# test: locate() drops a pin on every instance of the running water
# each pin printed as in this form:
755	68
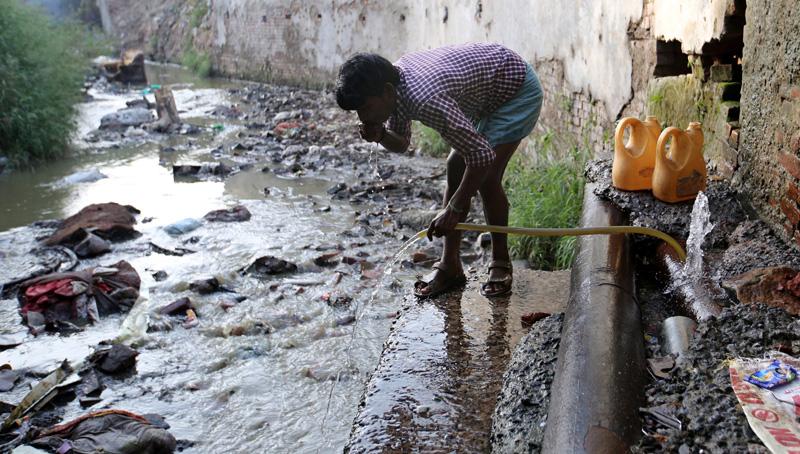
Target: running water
686	280
359	313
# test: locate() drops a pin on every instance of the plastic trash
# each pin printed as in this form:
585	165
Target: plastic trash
776	374
181	227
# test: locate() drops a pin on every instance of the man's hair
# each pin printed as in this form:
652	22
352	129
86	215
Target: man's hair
363	75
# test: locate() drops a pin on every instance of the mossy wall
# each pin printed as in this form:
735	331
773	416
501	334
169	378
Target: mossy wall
679	100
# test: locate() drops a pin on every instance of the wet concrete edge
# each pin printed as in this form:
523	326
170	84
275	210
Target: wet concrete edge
599	380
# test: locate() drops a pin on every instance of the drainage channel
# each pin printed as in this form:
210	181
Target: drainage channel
442	366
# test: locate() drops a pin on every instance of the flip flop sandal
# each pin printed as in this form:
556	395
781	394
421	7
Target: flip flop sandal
437	287
505	282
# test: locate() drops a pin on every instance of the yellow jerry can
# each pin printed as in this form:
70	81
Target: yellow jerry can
681	173
634	161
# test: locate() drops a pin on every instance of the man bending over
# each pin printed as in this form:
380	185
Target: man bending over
483	99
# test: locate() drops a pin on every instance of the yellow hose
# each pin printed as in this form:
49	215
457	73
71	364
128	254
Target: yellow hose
571	232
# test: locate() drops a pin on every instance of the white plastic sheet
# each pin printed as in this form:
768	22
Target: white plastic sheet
771	413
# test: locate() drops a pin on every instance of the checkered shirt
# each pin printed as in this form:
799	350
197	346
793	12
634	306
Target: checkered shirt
444	88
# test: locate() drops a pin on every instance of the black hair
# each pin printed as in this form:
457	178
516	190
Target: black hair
361	76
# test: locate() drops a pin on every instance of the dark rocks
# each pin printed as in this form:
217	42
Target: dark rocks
268	266
181	305
700	388
205	170
119	358
235	214
224	112
205	286
520	417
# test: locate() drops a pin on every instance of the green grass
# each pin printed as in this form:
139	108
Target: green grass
544	187
42	66
545	190
429	141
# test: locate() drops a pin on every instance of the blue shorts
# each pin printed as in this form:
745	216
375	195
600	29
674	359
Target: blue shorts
515	119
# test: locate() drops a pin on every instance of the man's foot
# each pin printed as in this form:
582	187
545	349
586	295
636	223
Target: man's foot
500	279
438	281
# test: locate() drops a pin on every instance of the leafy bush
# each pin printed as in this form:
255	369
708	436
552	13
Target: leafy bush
42	66
545	190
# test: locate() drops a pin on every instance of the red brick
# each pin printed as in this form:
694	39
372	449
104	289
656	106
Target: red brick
791	163
796	142
733	139
773	203
792	192
795	93
797	237
791	212
790	230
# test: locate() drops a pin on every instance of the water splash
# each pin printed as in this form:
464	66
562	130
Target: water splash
686	280
699	228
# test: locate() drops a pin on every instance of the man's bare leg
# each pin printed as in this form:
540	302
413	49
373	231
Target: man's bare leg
495	208
450	262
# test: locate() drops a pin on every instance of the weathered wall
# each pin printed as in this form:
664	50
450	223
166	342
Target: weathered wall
599	60
770	139
582	48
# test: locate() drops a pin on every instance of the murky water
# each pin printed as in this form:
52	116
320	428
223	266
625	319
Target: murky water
225	393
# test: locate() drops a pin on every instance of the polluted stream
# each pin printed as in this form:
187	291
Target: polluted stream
276	363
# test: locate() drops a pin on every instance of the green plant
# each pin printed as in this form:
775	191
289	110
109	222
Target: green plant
199	63
564	103
42	67
429	141
199	11
545	190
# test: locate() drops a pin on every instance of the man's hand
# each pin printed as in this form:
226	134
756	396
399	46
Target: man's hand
372	132
444	223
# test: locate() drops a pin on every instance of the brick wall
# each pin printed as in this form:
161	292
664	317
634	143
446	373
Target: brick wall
769	141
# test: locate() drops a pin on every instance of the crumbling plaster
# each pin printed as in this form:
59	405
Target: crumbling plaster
692	22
